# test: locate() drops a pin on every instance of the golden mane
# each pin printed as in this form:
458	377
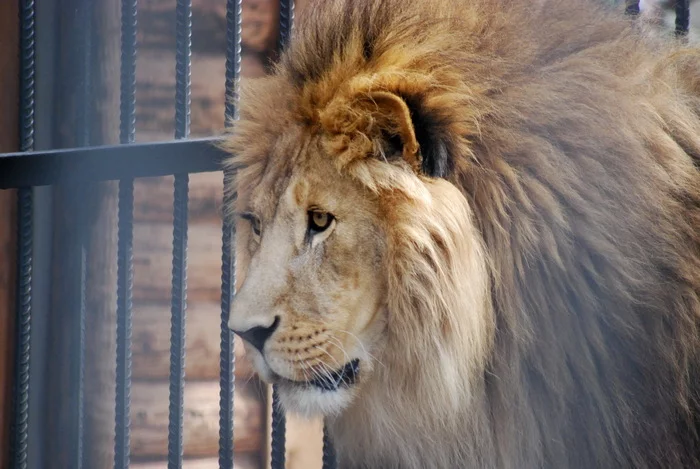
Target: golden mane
535	163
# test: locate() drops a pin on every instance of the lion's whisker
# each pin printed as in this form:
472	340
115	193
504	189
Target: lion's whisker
359	342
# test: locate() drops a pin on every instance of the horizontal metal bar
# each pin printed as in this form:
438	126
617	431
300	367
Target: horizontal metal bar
111	162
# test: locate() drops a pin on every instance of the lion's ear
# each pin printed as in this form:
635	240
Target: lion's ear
378	121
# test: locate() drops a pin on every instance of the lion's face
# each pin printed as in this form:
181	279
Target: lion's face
312	250
359	266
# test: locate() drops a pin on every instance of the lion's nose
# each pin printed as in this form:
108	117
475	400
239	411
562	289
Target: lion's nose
258	335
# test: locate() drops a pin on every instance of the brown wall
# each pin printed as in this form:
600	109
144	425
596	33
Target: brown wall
9	84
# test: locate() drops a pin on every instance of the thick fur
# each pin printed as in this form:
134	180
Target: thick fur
524	179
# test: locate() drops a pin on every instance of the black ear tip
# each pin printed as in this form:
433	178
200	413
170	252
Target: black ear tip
436	159
430	133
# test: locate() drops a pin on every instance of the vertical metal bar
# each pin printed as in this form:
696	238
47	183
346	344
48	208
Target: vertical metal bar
278	419
177	325
183	42
329	458
286	23
279	428
127	128
27	50
81	347
20	421
127	125
233	58
227	361
682	17
632	7
183	46
124	284
83	138
25	238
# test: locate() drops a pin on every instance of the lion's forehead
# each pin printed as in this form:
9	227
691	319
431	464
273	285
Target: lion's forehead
299	179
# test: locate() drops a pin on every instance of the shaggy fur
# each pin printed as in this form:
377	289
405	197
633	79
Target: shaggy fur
516	258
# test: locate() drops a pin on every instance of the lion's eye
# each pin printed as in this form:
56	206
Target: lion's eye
254	223
256	227
319	221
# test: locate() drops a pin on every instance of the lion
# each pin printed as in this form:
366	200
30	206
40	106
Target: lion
468	234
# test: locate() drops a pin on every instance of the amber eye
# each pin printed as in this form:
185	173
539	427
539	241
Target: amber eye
319	221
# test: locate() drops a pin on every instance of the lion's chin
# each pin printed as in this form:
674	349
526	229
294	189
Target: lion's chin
311	401
306	399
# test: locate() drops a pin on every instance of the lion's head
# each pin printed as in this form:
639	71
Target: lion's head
350	257
468	234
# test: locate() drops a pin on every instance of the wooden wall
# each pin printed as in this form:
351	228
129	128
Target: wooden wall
9	131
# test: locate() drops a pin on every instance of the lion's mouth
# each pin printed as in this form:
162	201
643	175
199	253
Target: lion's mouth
332	381
328	381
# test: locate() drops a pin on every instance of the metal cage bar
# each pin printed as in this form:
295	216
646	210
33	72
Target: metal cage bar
82	262
20	421
286	23
83	137
279	429
124	283
632	7
177	324
329	457
682	18
227	361
125	233
25	237
277	456
183	44
109	162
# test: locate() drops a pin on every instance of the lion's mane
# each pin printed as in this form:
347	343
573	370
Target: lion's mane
572	135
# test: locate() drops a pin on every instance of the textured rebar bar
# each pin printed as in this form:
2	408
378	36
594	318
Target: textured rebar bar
183	45
233	58
25	238
279	428
277	456
27	49
20	422
177	325
329	457
227	361
286	23
227	358
127	128
124	285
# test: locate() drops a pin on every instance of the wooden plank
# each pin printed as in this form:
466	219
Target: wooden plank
153	265
149	420
151	343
